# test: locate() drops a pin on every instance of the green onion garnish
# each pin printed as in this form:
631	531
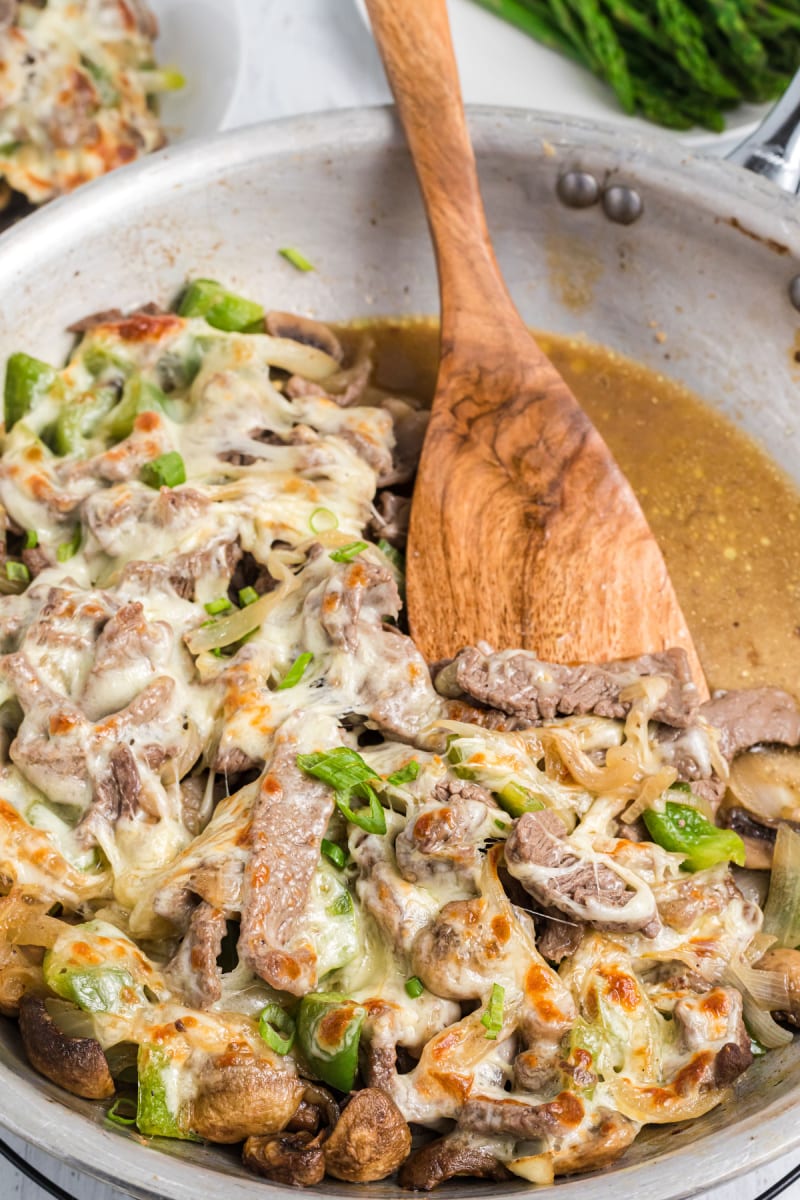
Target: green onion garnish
247	595
492	1019
31	539
322	520
69	549
295	258
116	1117
273	1022
220	605
296	671
168	470
346	772
405	774
414	987
348	553
342	906
335	853
17	572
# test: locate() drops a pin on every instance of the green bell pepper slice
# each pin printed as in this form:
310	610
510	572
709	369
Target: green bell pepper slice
27	379
517	800
139	396
683	830
156	1111
328	1032
78	419
94	989
223	309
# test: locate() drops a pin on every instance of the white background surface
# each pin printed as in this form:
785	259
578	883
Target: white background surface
296	56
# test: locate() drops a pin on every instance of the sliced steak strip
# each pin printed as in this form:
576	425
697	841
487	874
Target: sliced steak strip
194	967
289	820
446	839
517	683
748	718
592	890
459	1153
360	592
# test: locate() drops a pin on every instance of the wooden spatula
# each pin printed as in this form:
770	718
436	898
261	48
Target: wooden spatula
524	531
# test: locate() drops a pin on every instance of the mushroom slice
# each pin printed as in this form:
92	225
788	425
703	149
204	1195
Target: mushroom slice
293	1158
371	1139
243	1096
303	329
786	963
76	1064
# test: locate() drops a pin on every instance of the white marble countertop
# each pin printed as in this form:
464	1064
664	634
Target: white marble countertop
304	56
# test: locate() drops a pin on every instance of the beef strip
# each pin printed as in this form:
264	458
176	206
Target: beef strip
446	839
517	683
557	939
547	865
183	572
457	1154
360	591
743	719
36	560
289	820
748	718
391	518
194	967
128	651
522	1121
409	424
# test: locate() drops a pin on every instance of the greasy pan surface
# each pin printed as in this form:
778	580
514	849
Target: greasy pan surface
708	266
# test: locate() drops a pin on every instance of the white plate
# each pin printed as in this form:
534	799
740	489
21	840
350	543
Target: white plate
204	40
499	64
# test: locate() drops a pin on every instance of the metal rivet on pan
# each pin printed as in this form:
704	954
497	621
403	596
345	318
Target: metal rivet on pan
622	204
794	292
578	189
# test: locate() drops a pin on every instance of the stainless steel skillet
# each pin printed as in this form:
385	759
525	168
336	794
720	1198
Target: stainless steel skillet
711	260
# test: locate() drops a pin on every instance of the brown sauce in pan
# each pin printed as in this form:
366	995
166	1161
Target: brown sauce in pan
726	517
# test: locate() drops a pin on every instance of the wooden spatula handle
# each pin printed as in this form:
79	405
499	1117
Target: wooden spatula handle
414	40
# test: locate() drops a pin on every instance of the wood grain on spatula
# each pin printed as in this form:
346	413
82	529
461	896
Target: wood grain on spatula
524	531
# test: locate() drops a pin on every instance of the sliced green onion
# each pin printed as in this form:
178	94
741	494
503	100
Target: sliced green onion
220	605
346	772
342	906
161	79
335	853
296	671
223	309
17	572
247	595
31	539
295	258
348	553
115	1116
273	1023
414	987
69	549
492	1019
405	774
322	520
8	148
501	824
168	470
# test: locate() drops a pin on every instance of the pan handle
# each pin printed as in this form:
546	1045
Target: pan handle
773	150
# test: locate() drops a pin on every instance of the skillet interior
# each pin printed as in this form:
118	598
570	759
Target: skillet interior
708	265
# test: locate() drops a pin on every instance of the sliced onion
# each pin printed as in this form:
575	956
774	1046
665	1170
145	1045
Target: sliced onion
536	1168
768	989
782	910
71	1020
763	1028
656	1105
232	628
289	355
